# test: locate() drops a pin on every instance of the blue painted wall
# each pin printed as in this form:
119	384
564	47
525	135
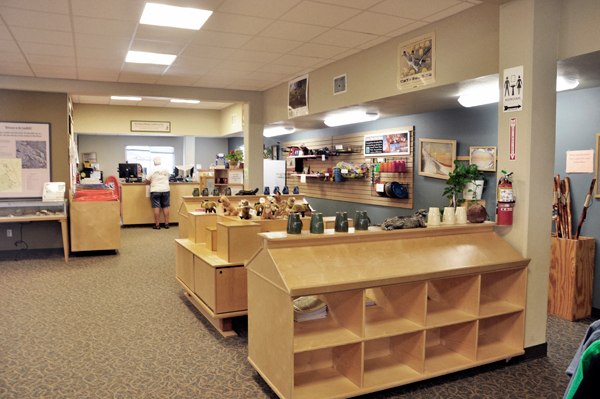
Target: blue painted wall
577	123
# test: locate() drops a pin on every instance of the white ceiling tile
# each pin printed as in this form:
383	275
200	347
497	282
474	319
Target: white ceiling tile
213	81
362	4
231	23
103	42
448	12
272	45
267	77
149	69
107	27
14	58
297	60
318	50
113	65
51	60
378	24
258	8
109	9
220	39
135	77
292	31
225	73
195	62
54	71
413	9
177	80
15	68
47	49
372	43
240	65
248	84
153	46
36	19
4	32
178	105
9	46
98	74
208	52
343	38
319	14
345	54
195	72
280	69
254	56
210	5
93	99
100	54
43	36
153	102
164	34
406	29
53	6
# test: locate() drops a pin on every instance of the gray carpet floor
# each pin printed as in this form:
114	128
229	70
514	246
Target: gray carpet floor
119	326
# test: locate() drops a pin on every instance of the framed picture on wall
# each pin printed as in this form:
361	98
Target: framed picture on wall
596	190
483	157
436	157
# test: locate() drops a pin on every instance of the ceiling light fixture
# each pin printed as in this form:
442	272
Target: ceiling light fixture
563	84
174	17
141	57
479	98
179	100
126	98
351	117
278	131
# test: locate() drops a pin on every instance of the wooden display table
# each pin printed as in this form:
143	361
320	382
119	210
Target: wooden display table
446	299
136	207
95	225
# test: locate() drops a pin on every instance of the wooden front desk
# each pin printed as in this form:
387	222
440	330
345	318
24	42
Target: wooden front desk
135	202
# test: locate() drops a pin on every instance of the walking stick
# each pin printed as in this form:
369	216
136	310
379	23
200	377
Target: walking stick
588	201
568	205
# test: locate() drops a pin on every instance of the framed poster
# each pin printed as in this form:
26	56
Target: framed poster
596	190
24	159
437	157
388	143
298	97
483	157
416	62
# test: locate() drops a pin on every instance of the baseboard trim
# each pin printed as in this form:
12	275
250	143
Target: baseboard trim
534	352
596	313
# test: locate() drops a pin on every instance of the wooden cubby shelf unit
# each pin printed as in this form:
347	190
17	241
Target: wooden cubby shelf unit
435	313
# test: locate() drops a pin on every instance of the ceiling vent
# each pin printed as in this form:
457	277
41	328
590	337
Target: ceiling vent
339	84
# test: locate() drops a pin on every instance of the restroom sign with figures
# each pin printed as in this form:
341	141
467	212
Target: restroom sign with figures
512	89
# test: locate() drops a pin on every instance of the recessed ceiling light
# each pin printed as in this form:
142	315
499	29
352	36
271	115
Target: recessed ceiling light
126	98
175	17
278	131
351	117
178	100
141	57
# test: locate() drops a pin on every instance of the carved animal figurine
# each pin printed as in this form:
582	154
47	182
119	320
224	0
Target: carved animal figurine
247	192
267	212
259	207
290	202
281	207
209	206
228	209
303	209
244	209
419	219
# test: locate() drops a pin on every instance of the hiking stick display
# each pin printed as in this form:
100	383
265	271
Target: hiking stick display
588	201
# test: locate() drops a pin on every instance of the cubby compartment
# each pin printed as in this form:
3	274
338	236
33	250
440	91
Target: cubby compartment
398	309
452	300
394	360
328	372
501	337
450	348
343	324
503	292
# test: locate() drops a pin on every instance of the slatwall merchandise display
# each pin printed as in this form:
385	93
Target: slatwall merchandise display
360	190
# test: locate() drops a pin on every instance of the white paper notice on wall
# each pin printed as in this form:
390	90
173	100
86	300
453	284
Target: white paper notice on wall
580	161
302	178
379	187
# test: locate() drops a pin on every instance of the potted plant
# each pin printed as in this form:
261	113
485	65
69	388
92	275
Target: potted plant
234	158
459	179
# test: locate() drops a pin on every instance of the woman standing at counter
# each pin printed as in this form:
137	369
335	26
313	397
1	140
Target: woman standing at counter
160	195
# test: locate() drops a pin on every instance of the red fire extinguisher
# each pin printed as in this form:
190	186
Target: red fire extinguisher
505	201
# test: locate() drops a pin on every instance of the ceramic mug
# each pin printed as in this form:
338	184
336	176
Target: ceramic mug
360	216
433	217
216	192
461	215
341	222
296	190
228	191
316	223
205	192
196	192
449	217
294	224
267	191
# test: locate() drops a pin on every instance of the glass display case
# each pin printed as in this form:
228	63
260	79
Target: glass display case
32	209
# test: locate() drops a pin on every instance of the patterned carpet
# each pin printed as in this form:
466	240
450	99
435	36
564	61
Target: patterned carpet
119	326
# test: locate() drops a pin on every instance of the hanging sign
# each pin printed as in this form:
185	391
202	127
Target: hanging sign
150	126
512	89
512	145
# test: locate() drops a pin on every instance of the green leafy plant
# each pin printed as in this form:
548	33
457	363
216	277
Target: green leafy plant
235	155
267	153
458	178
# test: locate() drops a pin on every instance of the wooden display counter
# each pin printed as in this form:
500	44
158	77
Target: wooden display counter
136	207
95	225
446	299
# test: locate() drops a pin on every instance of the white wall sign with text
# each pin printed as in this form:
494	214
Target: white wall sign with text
512	89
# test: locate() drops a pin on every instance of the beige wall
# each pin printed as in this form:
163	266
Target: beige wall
90	118
228	116
579	28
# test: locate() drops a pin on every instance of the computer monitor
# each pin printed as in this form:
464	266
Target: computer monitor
184	171
128	171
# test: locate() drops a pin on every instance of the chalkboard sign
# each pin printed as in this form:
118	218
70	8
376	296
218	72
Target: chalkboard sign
389	143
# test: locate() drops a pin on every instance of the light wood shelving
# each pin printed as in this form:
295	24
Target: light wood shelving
437	314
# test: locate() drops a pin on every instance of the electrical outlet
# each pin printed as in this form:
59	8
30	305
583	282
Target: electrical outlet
9	233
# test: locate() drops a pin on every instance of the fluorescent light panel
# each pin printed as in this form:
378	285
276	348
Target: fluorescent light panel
141	57
174	17
563	84
278	131
126	98
479	98
179	100
351	117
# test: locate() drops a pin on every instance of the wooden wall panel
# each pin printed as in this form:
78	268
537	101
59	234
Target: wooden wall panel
360	190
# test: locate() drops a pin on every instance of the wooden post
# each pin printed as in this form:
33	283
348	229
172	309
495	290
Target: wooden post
571	278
